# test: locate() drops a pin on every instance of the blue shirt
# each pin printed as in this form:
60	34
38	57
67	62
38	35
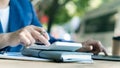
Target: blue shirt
22	14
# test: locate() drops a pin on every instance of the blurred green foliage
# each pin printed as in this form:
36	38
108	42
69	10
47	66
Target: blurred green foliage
58	14
61	15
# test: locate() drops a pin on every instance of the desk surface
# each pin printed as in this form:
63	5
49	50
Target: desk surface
4	63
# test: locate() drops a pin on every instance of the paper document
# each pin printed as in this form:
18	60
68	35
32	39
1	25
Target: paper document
19	56
63	46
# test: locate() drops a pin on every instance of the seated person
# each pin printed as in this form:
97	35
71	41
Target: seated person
19	25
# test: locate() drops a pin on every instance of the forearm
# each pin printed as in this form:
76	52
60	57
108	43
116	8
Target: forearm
4	40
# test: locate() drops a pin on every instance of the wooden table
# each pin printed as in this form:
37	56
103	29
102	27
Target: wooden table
4	63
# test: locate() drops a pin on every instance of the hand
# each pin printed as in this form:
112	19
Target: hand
92	46
29	35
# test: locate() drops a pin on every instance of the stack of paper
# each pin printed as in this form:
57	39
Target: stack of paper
59	51
19	56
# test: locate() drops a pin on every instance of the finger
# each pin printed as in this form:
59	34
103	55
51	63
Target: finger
97	45
103	49
44	40
45	34
100	46
40	38
105	52
42	31
85	49
29	36
95	52
24	39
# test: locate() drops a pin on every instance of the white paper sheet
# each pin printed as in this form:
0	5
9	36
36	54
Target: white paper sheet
19	56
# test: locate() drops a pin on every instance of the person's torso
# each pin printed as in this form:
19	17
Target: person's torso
20	15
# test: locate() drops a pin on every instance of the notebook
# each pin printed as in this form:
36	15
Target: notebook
61	46
108	58
59	56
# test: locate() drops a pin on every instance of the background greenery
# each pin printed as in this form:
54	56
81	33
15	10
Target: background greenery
58	12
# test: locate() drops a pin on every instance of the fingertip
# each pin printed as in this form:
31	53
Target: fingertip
106	54
48	44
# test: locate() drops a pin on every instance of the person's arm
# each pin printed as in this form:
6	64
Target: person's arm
27	36
4	40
